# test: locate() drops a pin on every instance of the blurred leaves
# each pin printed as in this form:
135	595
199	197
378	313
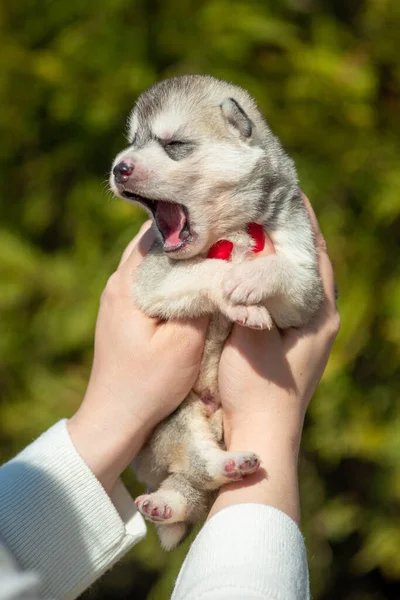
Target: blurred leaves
327	76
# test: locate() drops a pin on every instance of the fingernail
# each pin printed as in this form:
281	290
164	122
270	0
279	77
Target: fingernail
336	292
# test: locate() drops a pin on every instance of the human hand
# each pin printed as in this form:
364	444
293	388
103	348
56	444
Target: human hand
264	371
142	370
266	380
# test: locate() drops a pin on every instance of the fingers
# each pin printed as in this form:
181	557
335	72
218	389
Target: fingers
256	359
120	282
324	263
269	248
249	342
319	238
134	242
254	346
325	326
140	250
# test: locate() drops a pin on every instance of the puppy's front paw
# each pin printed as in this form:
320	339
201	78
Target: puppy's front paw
254	317
243	285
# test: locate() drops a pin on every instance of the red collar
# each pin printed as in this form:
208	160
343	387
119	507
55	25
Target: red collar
223	248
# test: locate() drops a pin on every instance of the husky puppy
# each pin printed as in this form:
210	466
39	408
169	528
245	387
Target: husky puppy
204	164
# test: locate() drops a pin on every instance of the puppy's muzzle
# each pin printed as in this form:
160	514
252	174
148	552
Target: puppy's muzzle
122	171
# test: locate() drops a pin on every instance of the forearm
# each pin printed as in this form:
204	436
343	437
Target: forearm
249	549
276	482
106	439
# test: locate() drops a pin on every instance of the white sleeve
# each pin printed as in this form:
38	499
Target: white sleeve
246	552
57	520
15	584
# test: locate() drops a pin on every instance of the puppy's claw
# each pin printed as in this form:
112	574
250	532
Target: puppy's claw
255	317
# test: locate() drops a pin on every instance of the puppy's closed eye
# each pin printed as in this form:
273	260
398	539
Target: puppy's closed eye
175	143
178	149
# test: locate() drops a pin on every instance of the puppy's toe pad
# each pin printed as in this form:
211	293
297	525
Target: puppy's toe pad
154	508
236	467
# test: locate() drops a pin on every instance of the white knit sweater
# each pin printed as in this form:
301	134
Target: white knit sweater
61	531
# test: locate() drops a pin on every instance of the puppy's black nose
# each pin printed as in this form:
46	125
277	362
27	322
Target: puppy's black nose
122	171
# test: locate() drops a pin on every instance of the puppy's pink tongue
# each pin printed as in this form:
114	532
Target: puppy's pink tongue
171	220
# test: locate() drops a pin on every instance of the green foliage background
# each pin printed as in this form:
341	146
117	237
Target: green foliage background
327	76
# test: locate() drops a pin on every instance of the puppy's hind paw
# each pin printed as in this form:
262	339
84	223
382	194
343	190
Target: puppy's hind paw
254	317
153	508
163	506
224	467
240	464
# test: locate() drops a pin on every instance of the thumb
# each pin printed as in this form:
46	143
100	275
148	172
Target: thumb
269	248
254	345
135	243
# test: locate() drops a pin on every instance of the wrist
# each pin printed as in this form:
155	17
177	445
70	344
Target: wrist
105	440
274	484
276	481
278	452
265	432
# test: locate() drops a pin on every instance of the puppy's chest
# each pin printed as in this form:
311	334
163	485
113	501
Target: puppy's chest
243	245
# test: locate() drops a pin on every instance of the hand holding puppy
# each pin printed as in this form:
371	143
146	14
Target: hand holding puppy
266	380
142	370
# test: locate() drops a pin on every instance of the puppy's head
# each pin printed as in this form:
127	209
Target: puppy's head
196	161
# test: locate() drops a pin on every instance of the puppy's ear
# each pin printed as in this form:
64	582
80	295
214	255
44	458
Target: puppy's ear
237	118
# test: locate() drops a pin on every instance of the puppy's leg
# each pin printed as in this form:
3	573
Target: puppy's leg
172	535
174	507
177	289
210	467
187	445
189	289
290	291
253	281
223	467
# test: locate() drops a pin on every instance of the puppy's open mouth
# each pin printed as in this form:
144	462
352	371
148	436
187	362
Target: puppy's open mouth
172	220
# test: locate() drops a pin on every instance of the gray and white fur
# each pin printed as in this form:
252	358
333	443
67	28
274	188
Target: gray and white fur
204	164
